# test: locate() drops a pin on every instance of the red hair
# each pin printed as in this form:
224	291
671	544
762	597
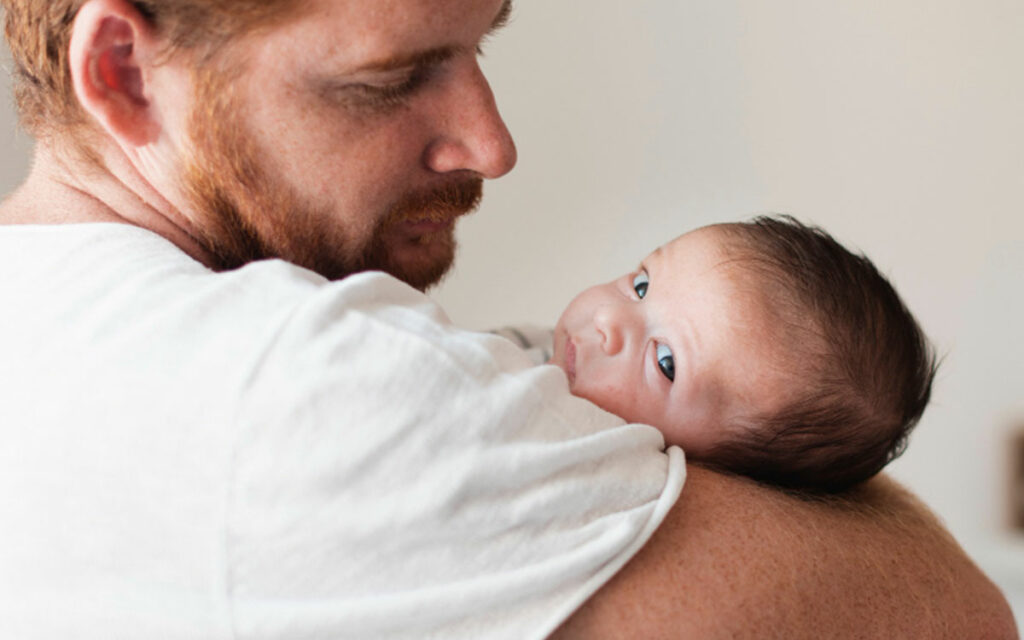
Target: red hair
39	36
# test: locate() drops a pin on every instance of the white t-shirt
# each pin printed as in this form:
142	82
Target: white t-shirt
265	454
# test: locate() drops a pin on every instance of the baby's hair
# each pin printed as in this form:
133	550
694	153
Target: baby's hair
864	369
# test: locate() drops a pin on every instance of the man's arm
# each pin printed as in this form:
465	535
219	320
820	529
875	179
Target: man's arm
737	560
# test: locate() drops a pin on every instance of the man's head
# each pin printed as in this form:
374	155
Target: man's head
765	348
341	135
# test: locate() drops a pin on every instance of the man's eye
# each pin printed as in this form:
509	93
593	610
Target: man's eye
666	362
383	95
387	95
640	283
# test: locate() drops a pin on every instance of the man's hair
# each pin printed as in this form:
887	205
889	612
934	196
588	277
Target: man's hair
39	35
864	369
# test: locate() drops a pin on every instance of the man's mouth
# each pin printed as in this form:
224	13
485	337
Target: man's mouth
427	215
424	226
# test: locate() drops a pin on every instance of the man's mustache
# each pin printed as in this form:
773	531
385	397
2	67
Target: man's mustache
439	204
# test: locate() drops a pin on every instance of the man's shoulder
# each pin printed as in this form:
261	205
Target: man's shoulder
735	559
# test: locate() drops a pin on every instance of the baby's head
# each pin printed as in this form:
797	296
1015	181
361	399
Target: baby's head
765	348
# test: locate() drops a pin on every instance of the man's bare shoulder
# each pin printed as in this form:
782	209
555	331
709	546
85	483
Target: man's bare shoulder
738	560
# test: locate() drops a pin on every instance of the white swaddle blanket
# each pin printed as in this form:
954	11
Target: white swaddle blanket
264	454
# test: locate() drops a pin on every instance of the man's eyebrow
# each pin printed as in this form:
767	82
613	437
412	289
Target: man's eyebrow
426	58
434	56
504	14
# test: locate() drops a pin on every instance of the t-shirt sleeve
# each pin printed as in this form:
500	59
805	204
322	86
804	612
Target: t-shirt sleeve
396	477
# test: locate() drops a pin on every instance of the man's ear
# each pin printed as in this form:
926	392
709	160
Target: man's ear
110	44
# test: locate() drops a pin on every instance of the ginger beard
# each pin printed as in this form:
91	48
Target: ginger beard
245	213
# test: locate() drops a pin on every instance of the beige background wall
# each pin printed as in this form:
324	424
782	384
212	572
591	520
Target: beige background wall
15	146
897	125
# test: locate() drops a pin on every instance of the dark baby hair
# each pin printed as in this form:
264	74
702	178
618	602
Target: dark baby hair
864	368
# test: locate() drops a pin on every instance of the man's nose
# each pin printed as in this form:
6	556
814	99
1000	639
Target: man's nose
474	137
612	327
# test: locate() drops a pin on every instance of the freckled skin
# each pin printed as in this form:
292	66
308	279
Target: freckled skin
338	166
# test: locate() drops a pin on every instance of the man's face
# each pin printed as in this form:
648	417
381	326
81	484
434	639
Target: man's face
676	344
349	139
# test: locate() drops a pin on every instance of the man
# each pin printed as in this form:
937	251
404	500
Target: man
201	443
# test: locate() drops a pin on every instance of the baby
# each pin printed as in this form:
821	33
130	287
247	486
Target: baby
763	348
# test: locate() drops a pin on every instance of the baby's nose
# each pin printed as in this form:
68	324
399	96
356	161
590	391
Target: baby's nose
609	325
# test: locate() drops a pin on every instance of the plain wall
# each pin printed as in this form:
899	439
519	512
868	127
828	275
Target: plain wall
15	145
897	125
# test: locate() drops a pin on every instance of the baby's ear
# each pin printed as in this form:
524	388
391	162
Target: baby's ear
111	46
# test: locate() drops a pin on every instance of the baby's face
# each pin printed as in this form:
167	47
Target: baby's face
677	344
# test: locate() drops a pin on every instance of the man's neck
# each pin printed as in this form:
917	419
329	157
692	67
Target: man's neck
61	192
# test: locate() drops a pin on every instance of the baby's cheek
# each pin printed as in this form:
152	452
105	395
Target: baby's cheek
673	435
616	397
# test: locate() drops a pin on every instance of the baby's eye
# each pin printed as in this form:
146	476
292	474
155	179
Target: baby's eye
640	283
666	362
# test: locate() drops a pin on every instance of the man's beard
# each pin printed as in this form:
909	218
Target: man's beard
244	213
